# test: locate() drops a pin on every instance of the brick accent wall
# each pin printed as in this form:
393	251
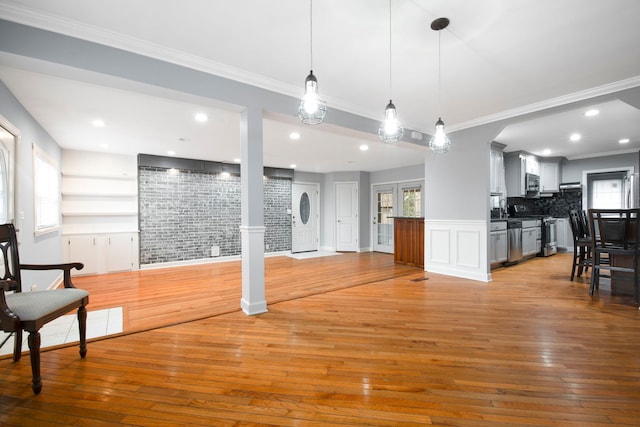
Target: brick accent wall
184	213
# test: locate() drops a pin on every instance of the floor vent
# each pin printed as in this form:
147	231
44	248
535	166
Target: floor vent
420	279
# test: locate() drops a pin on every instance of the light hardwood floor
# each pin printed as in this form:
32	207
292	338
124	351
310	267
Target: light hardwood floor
350	340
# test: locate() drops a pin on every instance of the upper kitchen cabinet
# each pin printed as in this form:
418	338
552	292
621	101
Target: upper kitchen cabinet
517	164
497	178
550	174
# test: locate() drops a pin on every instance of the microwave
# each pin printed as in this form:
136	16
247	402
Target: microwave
531	183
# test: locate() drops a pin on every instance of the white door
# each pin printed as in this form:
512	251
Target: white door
304	218
383	204
347	217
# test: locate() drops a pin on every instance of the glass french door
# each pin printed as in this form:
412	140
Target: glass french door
383	219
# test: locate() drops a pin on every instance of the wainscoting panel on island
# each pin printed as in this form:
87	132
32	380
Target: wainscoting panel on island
457	248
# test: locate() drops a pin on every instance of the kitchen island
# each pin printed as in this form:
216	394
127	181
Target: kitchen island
408	240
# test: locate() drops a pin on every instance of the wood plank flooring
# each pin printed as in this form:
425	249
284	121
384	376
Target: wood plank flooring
350	340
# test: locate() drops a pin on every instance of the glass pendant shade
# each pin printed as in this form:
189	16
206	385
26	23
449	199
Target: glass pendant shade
312	108
439	142
390	130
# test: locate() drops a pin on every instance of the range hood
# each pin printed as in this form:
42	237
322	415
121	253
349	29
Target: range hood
571	186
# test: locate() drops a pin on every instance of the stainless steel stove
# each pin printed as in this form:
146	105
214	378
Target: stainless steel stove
548	229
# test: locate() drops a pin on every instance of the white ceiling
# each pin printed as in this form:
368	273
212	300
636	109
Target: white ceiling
499	58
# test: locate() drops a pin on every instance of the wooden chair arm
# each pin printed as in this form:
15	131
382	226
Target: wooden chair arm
65	267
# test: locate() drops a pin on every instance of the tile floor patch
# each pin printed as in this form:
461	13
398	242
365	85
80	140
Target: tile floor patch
64	329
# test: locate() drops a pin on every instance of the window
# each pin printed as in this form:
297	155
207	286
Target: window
607	190
46	183
411	202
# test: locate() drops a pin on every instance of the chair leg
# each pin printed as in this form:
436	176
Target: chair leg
581	259
575	259
17	345
595	274
82	326
34	351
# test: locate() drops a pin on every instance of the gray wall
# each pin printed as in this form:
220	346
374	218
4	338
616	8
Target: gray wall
572	169
457	183
45	249
409	173
183	214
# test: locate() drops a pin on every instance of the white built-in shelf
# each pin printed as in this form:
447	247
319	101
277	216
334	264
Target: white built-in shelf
127	177
100	213
87	194
99	231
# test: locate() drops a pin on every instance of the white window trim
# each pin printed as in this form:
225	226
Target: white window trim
40	154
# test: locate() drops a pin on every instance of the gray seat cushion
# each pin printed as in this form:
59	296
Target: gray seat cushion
33	305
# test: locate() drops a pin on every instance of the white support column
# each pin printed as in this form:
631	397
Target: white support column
252	212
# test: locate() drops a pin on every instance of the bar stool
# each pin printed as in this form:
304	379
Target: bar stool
581	244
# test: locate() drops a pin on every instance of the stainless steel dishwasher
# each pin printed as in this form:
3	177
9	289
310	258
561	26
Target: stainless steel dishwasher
514	234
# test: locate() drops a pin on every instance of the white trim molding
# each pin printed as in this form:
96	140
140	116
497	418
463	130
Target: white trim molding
457	248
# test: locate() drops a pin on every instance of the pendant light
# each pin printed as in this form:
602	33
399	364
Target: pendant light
312	108
390	130
439	142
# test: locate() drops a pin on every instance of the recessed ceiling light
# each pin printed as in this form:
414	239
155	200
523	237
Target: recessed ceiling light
201	117
546	152
592	112
293	166
575	137
624	141
294	135
98	123
171	153
364	147
236	160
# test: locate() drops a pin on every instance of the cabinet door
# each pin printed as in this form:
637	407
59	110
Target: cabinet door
82	248
498	249
119	252
492	172
502	249
564	236
549	177
493	257
529	238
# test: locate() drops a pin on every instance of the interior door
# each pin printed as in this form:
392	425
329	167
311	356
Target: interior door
304	218
383	212
347	217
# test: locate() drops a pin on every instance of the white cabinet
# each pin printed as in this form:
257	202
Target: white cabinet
82	249
550	176
102	253
564	236
498	243
498	249
530	237
531	164
497	178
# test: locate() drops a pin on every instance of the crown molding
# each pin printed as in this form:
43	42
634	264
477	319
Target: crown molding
604	154
550	103
72	28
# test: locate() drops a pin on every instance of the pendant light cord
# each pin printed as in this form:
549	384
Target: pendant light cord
439	74
311	34
390	57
